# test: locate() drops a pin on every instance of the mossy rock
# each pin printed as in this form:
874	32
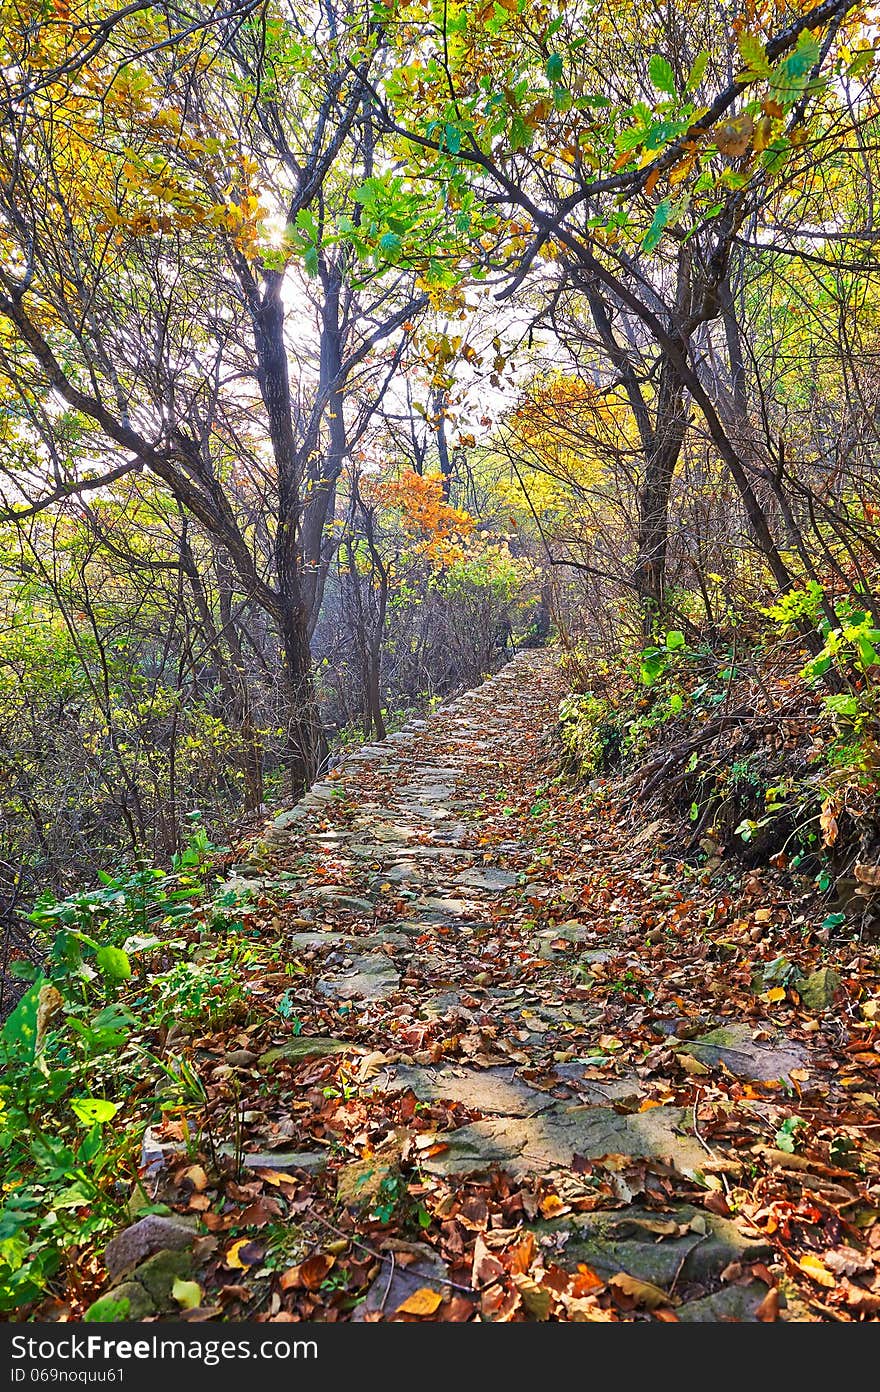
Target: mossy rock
306	1046
157	1276
126	1302
817	991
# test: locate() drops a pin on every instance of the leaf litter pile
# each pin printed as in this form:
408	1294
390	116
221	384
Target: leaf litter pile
502	1053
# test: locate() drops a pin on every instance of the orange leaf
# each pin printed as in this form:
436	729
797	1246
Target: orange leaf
585	1280
309	1273
423	1301
523	1254
275	1177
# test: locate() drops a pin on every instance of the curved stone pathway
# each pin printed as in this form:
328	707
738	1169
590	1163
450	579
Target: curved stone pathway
417	917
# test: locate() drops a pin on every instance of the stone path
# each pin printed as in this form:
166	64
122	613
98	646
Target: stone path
415	843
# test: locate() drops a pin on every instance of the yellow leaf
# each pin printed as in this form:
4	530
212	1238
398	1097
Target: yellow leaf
776	993
816	1270
188	1294
642	1292
692	1065
423	1301
232	1256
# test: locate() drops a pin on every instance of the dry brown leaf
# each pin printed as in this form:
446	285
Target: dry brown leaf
733	137
196	1176
310	1273
768	1310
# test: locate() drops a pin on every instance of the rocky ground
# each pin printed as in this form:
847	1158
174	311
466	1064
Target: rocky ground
504	1054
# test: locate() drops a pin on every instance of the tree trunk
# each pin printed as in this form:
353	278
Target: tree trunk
303	735
653	500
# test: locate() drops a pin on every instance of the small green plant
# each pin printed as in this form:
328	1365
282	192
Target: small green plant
788	1137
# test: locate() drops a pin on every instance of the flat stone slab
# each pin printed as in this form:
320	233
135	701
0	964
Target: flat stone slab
745	1057
339	898
497	1091
284	1161
397	1281
370	978
730	1305
552	1139
289	817
402	873
571	932
316	939
623	1091
427	792
490	877
443	910
306	1046
685	1244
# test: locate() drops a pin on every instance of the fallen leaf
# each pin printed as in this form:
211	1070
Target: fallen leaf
816	1270
196	1176
239	1258
537	1300
275	1177
692	1065
768	1310
188	1294
642	1292
423	1301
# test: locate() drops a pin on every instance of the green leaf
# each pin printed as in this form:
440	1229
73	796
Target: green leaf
862	62
661	216
554	67
662	75
753	55
787	1134
451	138
390	243
94	1111
842	704
652	666
805	56
20	1030
310	260
695	76
520	134
109	1309
675	639
113	962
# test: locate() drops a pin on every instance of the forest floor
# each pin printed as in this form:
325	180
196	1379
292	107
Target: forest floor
503	1053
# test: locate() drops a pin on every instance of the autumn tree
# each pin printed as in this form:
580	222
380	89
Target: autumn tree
171	212
617	158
